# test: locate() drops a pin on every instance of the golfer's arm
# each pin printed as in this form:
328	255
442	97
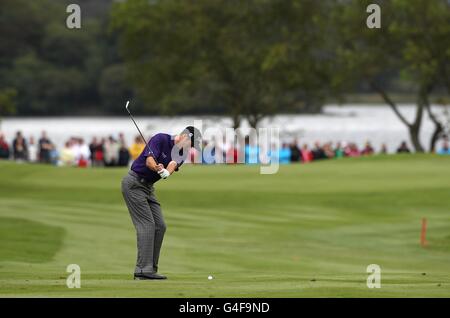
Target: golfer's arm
151	164
171	167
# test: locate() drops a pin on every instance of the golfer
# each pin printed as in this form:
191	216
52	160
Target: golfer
154	163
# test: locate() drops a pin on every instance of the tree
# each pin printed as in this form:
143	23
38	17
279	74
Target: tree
113	88
248	58
426	32
7	102
55	70
414	38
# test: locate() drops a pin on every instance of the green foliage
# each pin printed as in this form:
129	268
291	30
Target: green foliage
247	59
7	101
425	28
113	86
414	41
43	86
244	56
54	70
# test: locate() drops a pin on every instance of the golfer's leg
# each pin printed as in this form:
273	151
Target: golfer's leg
136	199
160	228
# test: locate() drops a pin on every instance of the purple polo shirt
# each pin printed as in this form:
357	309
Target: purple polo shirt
160	148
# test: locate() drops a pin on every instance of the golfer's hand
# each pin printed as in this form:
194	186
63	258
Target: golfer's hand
159	167
163	173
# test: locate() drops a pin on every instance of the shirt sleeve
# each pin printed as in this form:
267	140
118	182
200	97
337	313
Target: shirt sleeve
154	147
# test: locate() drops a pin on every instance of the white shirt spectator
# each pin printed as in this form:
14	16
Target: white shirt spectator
76	151
32	152
84	152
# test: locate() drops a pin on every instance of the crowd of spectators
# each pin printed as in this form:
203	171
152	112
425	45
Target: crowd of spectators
107	152
112	152
294	152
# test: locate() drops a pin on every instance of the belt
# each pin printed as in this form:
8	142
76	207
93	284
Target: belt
140	179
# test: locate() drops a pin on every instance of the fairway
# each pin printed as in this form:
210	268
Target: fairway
310	230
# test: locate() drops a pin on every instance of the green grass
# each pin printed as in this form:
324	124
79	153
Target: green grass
307	231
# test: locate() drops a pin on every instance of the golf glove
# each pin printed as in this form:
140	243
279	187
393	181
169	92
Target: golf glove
163	173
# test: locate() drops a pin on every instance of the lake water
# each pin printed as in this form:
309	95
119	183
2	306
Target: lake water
355	123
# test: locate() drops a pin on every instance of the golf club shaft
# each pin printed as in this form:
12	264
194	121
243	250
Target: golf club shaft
137	127
143	138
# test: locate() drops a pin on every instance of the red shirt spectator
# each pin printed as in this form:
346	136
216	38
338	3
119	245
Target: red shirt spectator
368	149
4	148
352	151
307	155
82	163
232	155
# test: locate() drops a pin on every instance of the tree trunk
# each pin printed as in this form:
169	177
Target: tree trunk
254	119
414	131
414	128
438	128
236	118
435	137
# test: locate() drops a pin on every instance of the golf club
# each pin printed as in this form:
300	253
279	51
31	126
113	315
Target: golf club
142	136
131	116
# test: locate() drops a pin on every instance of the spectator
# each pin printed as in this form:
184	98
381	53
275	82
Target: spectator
192	156
209	153
76	149
45	146
328	150
368	149
98	152
222	150
445	150
111	152
383	150
318	152
84	152
285	154
4	148
232	154
403	148
82	162
351	150
20	151
307	155
338	151
32	150
92	148
295	152
274	154
124	154
67	155
251	152
136	148
54	155
121	139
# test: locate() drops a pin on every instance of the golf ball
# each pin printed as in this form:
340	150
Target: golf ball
210	277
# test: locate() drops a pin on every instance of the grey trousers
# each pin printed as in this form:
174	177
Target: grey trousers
146	214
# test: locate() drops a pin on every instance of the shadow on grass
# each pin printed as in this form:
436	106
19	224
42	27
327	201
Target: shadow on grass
28	241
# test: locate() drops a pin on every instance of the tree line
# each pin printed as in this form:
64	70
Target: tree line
244	59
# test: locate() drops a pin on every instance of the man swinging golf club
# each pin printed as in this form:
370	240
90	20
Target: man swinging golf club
154	163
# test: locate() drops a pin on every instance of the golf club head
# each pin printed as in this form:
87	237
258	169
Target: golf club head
126	106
